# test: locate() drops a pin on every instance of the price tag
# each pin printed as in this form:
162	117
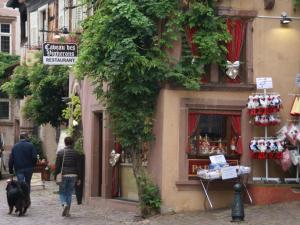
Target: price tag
228	172
264	83
298	80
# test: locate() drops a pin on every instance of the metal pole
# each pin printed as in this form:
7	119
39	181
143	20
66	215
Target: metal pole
266	135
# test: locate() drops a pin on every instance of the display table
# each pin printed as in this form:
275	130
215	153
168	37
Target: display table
206	182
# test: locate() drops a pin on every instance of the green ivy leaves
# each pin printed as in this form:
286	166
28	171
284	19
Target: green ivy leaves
6	60
44	86
123	45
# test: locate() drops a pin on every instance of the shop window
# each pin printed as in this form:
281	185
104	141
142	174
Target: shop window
211	134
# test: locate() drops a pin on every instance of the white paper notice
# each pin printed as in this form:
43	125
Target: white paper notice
228	172
264	83
217	159
298	80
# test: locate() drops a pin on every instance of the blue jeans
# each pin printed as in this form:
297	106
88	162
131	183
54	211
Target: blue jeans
66	189
25	175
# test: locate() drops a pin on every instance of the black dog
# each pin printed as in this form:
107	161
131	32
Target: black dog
17	196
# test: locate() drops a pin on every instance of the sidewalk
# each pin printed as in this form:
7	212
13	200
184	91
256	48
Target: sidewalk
45	210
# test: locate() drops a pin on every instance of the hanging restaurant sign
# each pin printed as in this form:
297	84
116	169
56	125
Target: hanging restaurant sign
59	54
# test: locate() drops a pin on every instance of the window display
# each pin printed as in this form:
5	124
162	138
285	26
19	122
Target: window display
211	134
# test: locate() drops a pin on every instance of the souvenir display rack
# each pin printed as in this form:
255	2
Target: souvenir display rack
265	105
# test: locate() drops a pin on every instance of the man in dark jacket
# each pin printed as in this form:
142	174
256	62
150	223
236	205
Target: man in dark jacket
23	159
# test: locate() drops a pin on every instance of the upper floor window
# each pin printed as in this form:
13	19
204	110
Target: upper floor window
38	26
79	10
33	29
43	24
63	14
5	37
238	71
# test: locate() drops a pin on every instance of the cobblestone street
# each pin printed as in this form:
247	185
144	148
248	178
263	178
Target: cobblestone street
45	210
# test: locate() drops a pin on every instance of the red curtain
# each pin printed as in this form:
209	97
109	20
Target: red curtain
236	128
192	122
115	172
236	27
190	33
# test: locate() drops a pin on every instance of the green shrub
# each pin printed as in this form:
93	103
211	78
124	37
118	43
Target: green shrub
38	146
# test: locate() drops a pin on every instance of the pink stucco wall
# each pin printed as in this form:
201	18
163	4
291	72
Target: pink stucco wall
96	139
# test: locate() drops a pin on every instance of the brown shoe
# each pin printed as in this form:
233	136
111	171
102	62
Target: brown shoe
68	212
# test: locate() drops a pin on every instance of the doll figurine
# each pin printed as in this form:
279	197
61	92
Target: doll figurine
261	145
233	144
253	146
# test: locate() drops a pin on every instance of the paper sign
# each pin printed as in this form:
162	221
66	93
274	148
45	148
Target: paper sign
298	80
217	159
228	172
264	83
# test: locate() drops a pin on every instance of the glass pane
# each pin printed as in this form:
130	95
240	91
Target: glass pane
4	110
5	28
5	44
213	126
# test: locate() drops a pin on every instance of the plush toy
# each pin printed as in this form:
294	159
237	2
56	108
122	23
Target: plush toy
271	147
263	101
281	134
292	134
256	101
250	104
261	145
253	146
280	145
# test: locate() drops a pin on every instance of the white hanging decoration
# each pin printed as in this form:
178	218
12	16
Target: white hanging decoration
75	123
114	158
232	69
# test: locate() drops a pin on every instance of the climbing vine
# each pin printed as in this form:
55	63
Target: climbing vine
72	113
124	46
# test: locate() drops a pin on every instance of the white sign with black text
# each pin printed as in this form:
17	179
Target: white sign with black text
264	83
228	172
59	54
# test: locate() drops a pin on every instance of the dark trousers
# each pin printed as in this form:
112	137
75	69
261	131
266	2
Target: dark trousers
25	175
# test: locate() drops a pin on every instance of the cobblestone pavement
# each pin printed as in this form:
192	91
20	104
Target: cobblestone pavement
45	210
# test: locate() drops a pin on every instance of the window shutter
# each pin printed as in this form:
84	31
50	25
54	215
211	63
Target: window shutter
61	15
33	29
74	15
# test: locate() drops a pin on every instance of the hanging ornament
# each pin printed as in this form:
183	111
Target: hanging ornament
114	158
232	69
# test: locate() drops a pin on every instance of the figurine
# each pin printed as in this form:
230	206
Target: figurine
233	144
